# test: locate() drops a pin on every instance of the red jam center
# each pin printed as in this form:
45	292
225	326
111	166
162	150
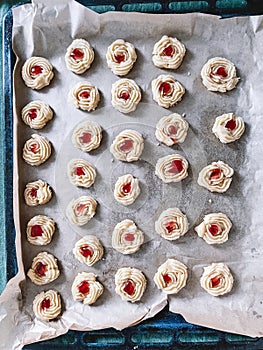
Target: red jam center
167	279
77	54
221	71
126	188
84	94
36	70
215	174
45	304
172	130
231	124
33	192
213	229
86	251
125	95
86	137
80	207
33	148
171	226
119	57
126	146
129	287
32	113
41	268
79	171
36	231
165	88
84	287
176	166
168	51
129	237
215	281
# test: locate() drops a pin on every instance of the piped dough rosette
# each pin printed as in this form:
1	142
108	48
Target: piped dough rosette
86	288
40	230
81	210
36	114
81	173
127	146
88	250
168	52
126	189
172	168
171	129
214	228
37	193
121	56
47	305
228	127
36	150
126	237
125	95
85	96
167	91
37	72
44	269
130	284
219	74
172	224
217	279
79	56
171	276
216	177
87	136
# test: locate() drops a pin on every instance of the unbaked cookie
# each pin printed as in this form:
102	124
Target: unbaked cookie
228	127
168	52
88	250
171	276
171	129
126	189
81	173
40	230
217	279
81	210
36	150
121	56
47	305
216	177
219	74
126	237
167	91
85	96
86	288
127	146
37	72
125	95
37	192
130	284
172	224
172	168
79	56
44	269
87	136
36	114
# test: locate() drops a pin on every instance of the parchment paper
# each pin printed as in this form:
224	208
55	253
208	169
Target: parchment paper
46	28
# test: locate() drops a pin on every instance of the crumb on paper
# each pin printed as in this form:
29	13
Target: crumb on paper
189	73
210	201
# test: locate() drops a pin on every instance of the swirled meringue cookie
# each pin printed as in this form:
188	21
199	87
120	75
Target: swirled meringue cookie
172	224
37	192
219	74
171	276
126	189
87	136
85	96
126	237
125	95
88	250
47	305
121	56
171	129
79	56
214	228
228	127
81	173
217	279
171	168
86	288
37	72
36	150
127	146
44	269
216	177
36	114
167	91
130	284
40	230
81	210
168	52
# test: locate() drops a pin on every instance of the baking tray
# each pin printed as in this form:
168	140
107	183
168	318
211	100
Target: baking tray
166	330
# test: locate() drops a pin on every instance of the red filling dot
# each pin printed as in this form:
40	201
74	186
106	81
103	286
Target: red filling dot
215	281
167	279
126	188
33	192
84	287
172	130
119	57
221	71
85	94
129	237
80	207
45	304
33	148
41	268
86	251
77	54
215	174
79	171
32	113
36	70
168	51
129	287
171	226
165	88
36	231
126	146
231	124
213	229
85	137
125	95
176	166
